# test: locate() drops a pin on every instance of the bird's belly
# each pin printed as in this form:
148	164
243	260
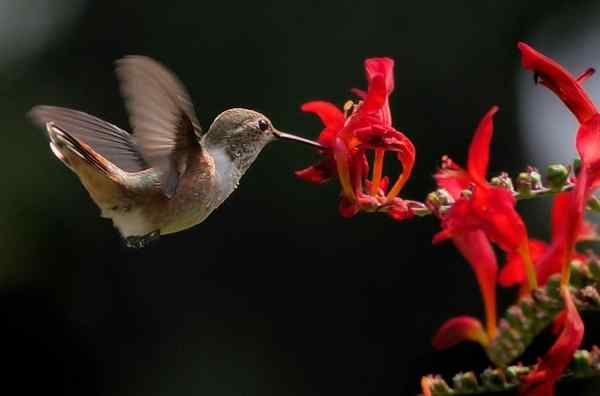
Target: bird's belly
131	222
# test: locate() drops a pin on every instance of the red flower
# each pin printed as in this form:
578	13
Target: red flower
560	81
368	126
540	382
568	89
489	209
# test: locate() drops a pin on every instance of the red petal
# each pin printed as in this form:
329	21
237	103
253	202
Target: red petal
513	271
479	151
495	208
330	116
476	248
381	66
588	146
560	81
550	368
319	173
452	178
380	77
457	330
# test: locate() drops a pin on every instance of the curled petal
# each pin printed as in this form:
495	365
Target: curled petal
459	329
550	368
380	77
479	151
330	116
319	173
560	81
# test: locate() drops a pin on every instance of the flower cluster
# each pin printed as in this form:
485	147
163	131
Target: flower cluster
348	135
475	214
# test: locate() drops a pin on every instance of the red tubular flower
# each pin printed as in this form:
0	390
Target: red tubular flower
489	209
552	75
368	126
568	89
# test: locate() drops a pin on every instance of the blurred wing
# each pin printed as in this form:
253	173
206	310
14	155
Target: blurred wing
162	117
106	139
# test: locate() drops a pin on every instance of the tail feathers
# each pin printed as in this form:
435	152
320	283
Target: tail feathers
61	141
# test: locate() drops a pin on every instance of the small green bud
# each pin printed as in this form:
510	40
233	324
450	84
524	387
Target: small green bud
576	165
466	194
529	182
557	177
582	363
493	379
465	382
503	180
514	373
593	204
523	184
437	200
439	387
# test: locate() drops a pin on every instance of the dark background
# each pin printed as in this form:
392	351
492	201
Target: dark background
275	293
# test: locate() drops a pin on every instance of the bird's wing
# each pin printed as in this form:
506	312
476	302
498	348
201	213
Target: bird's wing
162	116
106	139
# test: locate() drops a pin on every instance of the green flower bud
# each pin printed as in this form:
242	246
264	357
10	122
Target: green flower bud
503	180
558	174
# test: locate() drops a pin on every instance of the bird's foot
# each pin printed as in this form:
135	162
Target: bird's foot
138	242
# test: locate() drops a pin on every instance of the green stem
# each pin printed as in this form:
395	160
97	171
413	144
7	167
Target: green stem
585	364
523	321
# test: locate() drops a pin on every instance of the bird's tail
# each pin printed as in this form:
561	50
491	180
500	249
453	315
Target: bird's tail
64	146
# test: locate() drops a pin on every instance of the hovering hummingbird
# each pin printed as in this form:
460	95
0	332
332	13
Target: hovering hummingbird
168	175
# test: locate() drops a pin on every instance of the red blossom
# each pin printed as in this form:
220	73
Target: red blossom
368	126
567	87
488	209
541	381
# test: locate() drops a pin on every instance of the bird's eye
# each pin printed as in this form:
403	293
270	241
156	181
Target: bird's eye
263	124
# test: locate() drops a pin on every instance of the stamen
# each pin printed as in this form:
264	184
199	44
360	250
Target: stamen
377	171
528	264
585	75
341	160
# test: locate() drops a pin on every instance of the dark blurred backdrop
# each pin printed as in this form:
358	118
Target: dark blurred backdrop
275	294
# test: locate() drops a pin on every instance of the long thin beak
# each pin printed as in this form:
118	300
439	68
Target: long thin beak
289	136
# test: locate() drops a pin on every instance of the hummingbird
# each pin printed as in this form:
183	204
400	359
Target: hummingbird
168	174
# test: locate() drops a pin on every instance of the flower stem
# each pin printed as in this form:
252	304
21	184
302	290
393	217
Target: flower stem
377	171
502	380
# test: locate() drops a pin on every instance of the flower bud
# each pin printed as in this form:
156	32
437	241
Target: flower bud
576	165
503	180
593	204
465	382
529	182
466	194
558	175
438	200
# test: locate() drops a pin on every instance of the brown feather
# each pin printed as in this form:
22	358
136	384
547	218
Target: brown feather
110	141
161	115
